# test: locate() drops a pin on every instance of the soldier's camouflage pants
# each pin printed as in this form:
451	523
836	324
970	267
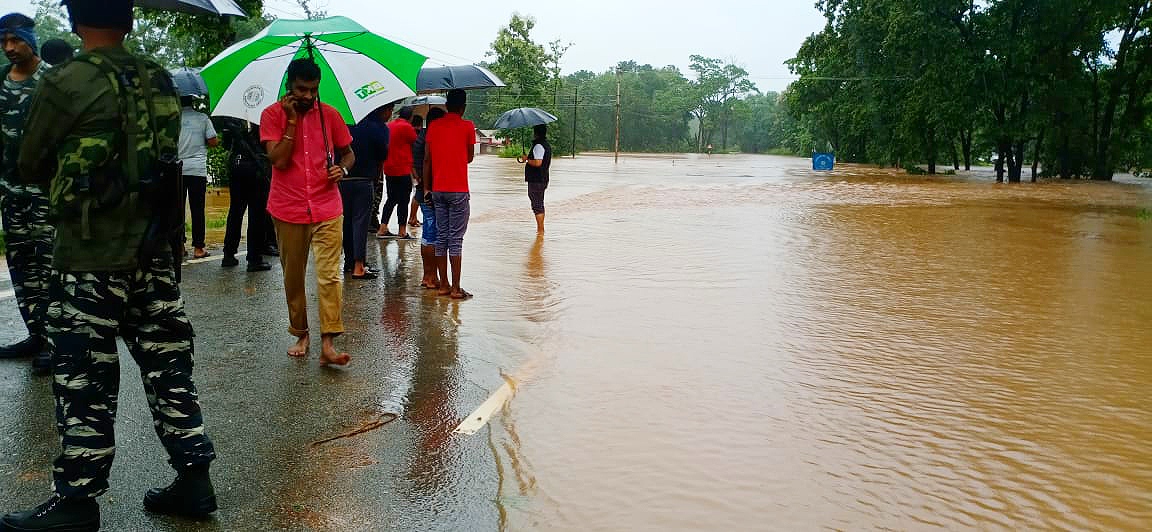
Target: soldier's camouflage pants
87	312
28	239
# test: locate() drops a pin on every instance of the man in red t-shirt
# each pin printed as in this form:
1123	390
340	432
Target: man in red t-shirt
305	202
398	173
448	149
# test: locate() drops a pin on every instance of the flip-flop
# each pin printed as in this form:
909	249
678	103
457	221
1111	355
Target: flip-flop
406	237
368	274
414	224
206	254
462	295
385	235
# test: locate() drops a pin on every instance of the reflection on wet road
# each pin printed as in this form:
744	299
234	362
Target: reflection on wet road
725	343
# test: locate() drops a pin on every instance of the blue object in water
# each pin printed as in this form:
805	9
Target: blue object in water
823	161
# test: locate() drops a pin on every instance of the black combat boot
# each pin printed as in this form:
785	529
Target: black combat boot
190	495
58	514
25	348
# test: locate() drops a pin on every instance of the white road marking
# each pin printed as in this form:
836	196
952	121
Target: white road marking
476	420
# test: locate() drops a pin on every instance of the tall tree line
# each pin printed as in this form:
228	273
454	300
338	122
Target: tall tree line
1062	84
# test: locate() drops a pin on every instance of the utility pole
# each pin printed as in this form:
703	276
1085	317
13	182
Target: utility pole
575	104
617	159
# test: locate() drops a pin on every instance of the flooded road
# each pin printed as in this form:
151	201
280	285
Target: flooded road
736	344
724	343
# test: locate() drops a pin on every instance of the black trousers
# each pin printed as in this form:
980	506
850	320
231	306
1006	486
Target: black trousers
357	197
399	194
247	194
196	187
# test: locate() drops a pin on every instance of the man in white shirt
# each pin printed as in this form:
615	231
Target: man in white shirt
196	136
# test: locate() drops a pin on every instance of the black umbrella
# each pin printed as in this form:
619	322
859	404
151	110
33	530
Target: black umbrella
188	82
436	79
524	117
197	7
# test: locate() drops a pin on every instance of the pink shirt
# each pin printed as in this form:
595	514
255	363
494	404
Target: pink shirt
302	193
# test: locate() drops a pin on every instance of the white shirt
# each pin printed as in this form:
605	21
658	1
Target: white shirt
538	152
195	130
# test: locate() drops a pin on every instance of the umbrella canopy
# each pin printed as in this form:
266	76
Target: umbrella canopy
360	71
196	7
430	99
524	117
188	82
436	79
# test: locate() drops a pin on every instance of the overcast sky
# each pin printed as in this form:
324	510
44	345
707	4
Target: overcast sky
757	34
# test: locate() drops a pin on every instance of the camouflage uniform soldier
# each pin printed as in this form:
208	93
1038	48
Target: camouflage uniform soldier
24	208
106	127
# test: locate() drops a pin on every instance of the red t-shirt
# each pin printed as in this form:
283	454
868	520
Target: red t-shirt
449	141
401	135
302	193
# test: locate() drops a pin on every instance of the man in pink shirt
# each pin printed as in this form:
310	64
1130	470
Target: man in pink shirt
299	131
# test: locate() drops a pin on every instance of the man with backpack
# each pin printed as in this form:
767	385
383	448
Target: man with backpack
27	233
249	173
102	132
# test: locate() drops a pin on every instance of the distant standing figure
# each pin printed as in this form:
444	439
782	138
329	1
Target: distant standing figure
247	192
417	168
447	154
709	149
398	174
431	279
378	183
196	136
370	143
536	172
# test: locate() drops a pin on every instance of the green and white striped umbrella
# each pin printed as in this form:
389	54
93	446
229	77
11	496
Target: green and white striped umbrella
360	71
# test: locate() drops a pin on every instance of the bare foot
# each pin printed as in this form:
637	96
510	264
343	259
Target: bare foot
330	356
300	348
444	291
334	358
460	293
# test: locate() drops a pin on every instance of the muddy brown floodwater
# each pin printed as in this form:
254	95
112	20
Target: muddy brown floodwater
738	343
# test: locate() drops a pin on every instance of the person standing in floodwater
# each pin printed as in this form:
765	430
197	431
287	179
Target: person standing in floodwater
536	167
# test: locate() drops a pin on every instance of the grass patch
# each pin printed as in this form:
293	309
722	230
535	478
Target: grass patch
511	151
209	223
3	247
1144	214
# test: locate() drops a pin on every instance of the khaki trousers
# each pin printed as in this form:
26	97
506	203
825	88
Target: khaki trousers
326	240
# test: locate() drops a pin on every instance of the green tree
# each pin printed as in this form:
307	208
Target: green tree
719	85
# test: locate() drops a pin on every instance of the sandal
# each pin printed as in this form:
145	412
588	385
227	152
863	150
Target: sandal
368	274
382	236
462	294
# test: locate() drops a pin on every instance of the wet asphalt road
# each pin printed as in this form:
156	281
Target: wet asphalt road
264	411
